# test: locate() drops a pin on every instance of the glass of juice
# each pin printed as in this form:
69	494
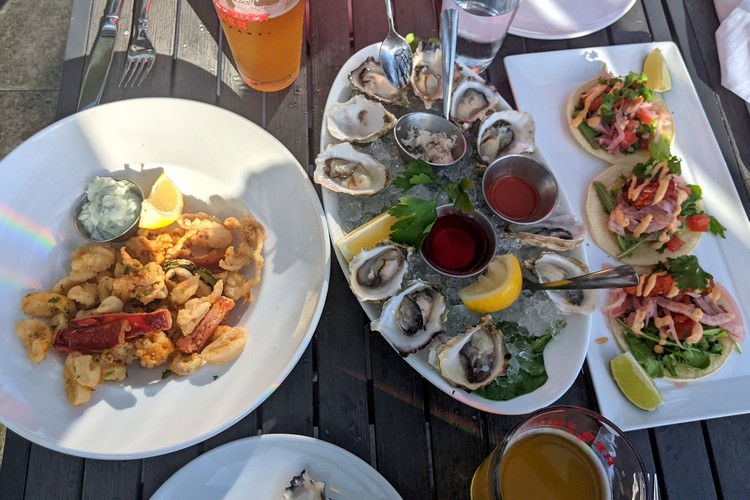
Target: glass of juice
562	453
482	26
459	244
265	37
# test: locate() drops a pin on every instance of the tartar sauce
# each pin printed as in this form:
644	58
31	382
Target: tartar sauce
111	209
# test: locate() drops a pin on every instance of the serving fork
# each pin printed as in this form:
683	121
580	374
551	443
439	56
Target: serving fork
141	54
613	277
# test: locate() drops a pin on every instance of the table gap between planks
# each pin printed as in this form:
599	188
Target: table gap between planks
350	388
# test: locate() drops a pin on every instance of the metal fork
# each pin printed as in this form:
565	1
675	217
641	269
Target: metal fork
141	53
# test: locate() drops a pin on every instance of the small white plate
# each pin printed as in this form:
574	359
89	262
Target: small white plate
225	165
261	467
561	19
563	356
542	84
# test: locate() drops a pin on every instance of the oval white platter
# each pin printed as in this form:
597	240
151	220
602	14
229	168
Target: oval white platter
563	356
225	165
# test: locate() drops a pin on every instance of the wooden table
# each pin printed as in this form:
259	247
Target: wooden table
350	388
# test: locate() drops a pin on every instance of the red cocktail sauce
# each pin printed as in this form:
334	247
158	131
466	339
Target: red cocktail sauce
456	244
514	197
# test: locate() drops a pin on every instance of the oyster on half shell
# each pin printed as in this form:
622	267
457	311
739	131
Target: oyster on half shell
550	266
359	120
369	78
560	231
376	273
427	73
303	487
343	169
472	99
410	319
472	359
505	132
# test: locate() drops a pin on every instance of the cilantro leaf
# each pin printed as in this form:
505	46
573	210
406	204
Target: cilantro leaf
416	219
165	374
688	273
715	227
54	300
417	172
689	207
458	193
643	170
659	150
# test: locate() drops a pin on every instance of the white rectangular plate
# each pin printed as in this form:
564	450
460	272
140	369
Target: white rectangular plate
541	84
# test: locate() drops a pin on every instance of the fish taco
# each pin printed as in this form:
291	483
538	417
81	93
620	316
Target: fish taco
615	117
677	322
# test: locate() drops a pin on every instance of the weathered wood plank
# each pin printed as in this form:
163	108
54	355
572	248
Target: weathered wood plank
112	479
290	408
246	427
14	465
66	481
196	52
286	117
496	74
370	24
399	419
416	16
75	58
156	470
657	20
632	27
685	465
728	439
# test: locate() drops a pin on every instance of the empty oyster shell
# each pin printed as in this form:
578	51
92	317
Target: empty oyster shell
343	169
411	319
369	78
560	231
303	487
472	359
550	266
472	99
427	73
376	273
359	120
505	132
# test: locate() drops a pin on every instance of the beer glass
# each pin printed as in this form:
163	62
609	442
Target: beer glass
482	26
562	452
265	37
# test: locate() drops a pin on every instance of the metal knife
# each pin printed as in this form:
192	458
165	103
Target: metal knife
97	69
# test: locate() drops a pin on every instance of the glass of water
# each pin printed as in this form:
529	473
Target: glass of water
482	26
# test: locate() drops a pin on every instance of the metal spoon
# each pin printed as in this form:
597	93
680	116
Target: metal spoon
448	31
614	277
395	54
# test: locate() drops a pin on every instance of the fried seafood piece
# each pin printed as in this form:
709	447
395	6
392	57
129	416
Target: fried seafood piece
85	295
205	231
144	283
154	349
195	309
89	260
250	251
47	305
227	343
81	374
36	337
112	369
185	364
205	328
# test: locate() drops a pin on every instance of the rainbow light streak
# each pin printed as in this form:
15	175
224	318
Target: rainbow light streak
27	228
19	280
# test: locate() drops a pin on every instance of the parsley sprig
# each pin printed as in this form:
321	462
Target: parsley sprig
416	217
420	172
688	273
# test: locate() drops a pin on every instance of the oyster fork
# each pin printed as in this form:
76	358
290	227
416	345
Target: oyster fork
141	54
614	277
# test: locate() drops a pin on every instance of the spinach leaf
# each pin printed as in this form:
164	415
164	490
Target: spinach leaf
644	354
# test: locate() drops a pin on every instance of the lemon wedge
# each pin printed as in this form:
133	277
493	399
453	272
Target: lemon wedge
163	206
367	235
655	68
495	290
635	383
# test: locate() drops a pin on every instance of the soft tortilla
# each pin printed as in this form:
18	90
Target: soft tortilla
598	221
687	373
639	155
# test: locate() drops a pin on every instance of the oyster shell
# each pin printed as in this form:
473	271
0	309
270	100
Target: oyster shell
560	231
303	487
427	73
411	319
369	78
550	266
376	273
472	99
505	132
343	169
359	120
472	359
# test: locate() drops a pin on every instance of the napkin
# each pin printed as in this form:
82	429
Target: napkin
733	45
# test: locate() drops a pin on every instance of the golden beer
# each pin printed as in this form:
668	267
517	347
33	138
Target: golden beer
265	37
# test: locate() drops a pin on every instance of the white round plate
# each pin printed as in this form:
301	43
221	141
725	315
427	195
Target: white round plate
224	165
562	19
261	467
563	356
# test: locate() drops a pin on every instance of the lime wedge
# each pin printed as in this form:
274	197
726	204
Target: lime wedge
656	69
635	383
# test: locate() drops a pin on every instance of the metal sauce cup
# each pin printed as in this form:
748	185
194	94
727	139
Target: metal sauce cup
127	234
431	123
459	245
533	172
